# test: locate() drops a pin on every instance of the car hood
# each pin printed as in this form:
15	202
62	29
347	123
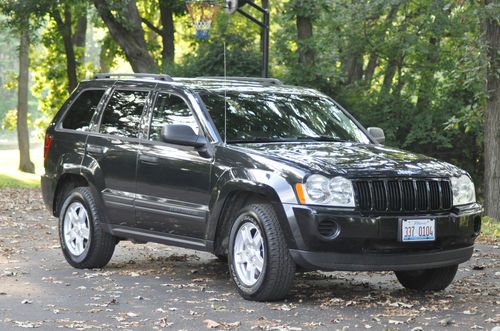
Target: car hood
354	159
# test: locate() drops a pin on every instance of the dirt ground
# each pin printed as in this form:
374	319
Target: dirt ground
155	287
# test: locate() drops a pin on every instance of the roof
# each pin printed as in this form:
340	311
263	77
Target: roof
211	84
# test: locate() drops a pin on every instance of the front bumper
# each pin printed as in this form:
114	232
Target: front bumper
371	242
330	261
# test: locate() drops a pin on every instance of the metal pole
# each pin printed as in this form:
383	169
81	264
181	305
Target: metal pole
264	34
265	50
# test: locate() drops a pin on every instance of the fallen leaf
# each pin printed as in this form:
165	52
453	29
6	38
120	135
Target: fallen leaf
446	321
211	324
396	322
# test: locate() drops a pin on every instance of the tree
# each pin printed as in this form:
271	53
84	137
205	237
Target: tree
166	30
304	15
18	14
23	137
65	22
491	35
124	24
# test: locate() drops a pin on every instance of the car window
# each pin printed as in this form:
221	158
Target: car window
81	111
269	116
170	109
123	113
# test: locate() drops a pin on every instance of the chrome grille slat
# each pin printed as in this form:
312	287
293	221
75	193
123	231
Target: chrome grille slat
403	195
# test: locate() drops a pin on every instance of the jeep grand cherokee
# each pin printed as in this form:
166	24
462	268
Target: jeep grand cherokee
271	177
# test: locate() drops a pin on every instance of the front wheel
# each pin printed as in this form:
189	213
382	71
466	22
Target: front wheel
436	279
83	241
259	261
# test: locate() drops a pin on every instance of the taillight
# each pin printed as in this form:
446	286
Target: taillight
46	146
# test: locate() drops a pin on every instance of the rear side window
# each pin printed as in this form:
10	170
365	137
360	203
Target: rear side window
170	109
123	113
81	111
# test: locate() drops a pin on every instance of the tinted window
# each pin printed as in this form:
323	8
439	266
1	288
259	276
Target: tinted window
81	111
170	109
267	116
123	113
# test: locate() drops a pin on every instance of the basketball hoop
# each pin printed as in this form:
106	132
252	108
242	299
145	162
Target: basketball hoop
203	12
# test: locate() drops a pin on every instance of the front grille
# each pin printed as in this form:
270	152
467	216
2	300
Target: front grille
403	195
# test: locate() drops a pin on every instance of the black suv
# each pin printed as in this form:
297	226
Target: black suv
274	178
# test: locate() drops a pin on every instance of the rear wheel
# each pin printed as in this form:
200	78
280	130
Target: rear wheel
83	241
259	261
436	279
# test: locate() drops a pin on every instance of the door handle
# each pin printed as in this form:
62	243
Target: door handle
148	159
99	150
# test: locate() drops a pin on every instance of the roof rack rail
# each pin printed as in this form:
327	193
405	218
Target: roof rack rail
137	75
272	81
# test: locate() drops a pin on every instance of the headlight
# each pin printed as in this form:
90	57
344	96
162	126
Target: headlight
463	190
319	190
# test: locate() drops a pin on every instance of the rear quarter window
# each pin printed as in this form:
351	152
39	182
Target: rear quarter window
81	110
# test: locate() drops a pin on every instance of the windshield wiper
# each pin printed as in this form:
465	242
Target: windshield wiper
259	140
321	138
286	139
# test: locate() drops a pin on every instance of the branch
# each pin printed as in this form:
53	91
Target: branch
152	26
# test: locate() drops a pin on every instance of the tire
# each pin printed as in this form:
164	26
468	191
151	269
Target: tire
427	280
98	247
277	269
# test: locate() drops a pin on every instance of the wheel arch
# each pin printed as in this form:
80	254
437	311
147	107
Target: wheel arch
67	182
235	195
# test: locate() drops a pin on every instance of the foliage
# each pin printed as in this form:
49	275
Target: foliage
490	229
426	90
49	72
242	51
9	121
414	68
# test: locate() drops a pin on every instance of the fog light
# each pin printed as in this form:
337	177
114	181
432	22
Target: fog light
329	229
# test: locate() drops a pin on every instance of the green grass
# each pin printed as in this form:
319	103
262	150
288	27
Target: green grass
11	177
490	229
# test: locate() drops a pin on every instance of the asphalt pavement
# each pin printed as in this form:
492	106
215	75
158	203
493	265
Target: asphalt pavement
147	287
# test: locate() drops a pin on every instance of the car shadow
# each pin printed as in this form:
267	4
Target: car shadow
332	288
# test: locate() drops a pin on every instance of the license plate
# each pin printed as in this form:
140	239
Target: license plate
421	229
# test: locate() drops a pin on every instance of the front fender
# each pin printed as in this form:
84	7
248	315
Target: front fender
256	181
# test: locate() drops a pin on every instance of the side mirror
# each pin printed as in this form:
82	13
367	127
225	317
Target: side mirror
182	135
377	134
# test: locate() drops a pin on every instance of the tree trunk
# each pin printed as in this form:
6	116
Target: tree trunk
373	61
304	35
23	137
427	82
167	35
491	33
79	37
80	31
370	67
129	35
354	67
64	27
390	72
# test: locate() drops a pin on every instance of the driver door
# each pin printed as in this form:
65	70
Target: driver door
173	188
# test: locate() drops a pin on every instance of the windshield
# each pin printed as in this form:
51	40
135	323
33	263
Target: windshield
269	117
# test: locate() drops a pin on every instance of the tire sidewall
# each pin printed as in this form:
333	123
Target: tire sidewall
75	196
248	215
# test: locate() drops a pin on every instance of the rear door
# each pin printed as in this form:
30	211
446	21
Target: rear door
114	149
172	180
